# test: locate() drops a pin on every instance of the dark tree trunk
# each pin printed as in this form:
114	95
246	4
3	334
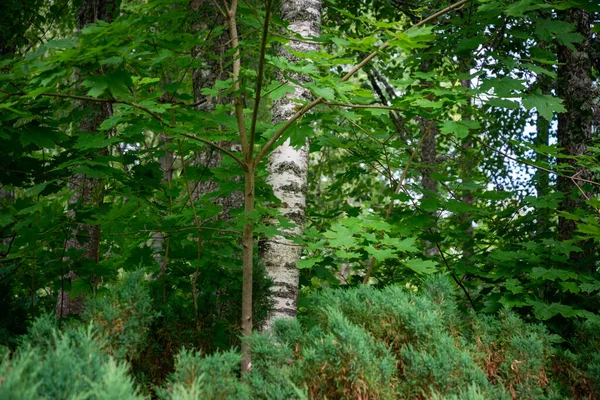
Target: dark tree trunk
96	10
574	125
541	177
429	185
209	19
86	190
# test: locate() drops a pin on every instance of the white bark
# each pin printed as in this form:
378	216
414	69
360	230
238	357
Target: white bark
167	162
288	169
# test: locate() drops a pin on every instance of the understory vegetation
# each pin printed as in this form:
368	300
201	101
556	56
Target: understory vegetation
359	343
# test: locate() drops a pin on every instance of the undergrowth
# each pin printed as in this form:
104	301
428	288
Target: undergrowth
358	343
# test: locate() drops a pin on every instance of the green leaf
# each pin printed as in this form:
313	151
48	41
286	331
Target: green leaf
380	254
546	105
502	87
407	245
502	103
307	263
325	92
422	266
546	311
42	137
86	140
460	129
60	44
340	235
97	85
552	274
277	90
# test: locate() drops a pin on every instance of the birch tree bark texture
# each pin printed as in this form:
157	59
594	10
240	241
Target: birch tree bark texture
288	168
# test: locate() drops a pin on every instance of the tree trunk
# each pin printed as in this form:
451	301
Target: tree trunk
429	157
542	178
86	190
574	125
214	68
288	169
160	241
429	185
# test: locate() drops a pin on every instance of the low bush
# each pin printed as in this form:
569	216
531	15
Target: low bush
73	364
358	343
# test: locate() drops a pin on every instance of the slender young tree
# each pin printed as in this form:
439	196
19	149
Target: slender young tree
288	167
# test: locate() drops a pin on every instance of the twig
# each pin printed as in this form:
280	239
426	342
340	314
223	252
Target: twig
458	281
192	228
371	56
259	81
372	106
572	177
92	99
216	146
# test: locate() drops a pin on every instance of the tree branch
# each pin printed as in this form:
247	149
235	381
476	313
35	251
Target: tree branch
371	106
237	68
353	71
502	153
371	56
217	147
259	81
93	99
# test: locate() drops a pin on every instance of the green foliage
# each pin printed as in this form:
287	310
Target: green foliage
123	316
579	366
476	85
343	361
516	355
70	365
210	377
350	343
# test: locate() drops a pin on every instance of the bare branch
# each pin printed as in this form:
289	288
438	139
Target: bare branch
259	81
217	147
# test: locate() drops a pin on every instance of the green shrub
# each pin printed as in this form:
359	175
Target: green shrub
210	377
344	361
359	343
123	316
586	342
70	365
578	369
514	354
271	374
419	329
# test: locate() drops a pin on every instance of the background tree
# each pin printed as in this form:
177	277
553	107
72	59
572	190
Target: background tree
83	242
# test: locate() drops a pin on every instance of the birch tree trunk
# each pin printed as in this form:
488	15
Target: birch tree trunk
86	190
288	169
